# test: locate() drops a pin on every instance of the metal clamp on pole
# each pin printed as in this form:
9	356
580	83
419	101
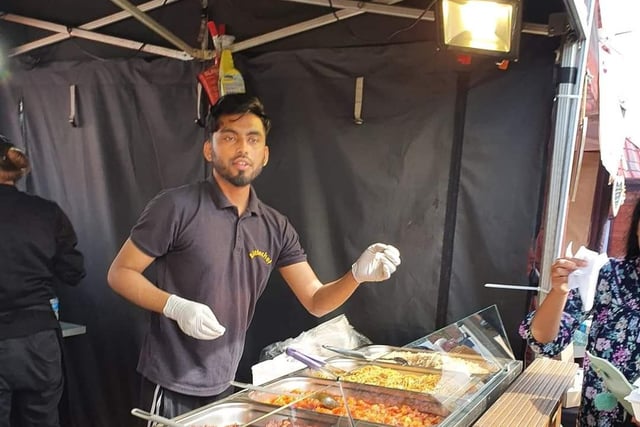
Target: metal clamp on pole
72	106
357	106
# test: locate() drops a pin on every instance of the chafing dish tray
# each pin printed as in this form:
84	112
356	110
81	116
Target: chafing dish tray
367	403
239	413
442	385
473	364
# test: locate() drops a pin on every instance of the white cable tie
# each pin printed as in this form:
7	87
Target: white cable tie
569	96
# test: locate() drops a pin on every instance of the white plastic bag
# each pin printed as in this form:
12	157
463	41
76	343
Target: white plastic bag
336	332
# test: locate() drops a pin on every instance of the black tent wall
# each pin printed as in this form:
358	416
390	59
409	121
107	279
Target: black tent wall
447	166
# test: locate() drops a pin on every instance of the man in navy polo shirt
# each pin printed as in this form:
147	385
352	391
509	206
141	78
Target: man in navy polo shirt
215	244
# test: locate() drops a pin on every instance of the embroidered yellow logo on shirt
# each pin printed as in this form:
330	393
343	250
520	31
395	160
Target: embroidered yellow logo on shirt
261	254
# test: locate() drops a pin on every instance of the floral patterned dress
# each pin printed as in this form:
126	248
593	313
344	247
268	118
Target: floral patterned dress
614	335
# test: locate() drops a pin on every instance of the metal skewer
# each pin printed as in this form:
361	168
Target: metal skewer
516	287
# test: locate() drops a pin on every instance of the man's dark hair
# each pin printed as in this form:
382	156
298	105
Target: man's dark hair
633	250
5	145
238	103
14	164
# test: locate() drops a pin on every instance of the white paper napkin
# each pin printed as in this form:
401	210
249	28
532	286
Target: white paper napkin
634	399
586	278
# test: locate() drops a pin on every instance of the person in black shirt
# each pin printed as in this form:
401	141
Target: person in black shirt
215	245
37	252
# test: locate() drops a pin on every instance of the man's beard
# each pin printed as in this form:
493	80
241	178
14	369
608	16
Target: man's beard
242	179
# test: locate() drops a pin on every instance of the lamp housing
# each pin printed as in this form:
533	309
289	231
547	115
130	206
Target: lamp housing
485	27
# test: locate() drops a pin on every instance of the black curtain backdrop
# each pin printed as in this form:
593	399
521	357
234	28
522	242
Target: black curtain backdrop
453	185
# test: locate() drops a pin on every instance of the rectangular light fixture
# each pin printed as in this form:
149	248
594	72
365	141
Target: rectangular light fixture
486	27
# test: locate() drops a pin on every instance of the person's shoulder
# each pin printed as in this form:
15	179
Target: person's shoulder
41	202
276	218
181	192
181	200
618	265
271	212
621	260
624	262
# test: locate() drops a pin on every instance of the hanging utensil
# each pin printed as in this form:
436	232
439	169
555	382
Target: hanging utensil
156	418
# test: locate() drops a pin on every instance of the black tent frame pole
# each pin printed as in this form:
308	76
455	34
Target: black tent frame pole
448	238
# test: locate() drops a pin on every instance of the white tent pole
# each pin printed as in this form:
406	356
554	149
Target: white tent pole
300	27
91	35
405	12
292	29
162	31
382	9
93	25
131	44
348	10
568	98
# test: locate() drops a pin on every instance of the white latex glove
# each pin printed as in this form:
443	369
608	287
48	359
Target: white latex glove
377	263
195	319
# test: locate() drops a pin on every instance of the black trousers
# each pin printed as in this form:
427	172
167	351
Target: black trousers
31	380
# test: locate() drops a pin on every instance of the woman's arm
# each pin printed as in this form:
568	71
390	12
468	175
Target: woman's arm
546	321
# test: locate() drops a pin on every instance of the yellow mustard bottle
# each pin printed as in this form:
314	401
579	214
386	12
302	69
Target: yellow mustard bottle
231	80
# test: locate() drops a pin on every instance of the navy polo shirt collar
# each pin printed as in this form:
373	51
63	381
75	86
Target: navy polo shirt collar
221	201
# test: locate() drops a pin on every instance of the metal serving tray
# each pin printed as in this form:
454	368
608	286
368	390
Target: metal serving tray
239	413
349	364
450	389
372	394
419	358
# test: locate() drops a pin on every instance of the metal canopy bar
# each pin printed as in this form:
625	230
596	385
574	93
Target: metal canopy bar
348	9
91	35
93	25
301	27
535	29
382	9
404	12
162	31
292	29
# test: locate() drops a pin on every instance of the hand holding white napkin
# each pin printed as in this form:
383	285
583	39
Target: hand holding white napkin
195	319
586	278
377	263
